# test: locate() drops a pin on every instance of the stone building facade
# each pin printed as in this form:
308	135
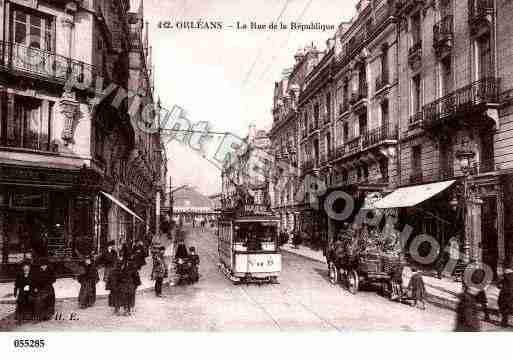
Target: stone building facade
285	138
77	167
405	94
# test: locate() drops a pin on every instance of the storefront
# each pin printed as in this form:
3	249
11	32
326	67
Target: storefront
59	213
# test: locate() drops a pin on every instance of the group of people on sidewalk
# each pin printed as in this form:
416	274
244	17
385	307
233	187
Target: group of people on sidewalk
473	299
34	292
121	274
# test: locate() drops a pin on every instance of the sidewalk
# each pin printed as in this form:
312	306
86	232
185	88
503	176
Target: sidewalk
68	288
442	292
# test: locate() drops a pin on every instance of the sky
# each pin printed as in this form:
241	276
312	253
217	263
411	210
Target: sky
226	77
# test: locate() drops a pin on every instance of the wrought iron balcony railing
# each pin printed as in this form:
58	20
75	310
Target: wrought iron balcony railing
378	135
415	120
343	107
415	53
416	177
479	9
353	146
446	173
478	168
442	31
381	81
462	101
360	94
44	65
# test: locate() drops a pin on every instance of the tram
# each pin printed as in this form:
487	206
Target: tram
248	245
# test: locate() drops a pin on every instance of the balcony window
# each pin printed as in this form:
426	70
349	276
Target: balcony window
484	57
362	124
416	164
416	29
416	94
316	115
446	161
384	114
384	65
328	107
30	124
346	132
446	76
328	144
33	30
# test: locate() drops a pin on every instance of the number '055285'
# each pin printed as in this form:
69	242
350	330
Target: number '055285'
29	343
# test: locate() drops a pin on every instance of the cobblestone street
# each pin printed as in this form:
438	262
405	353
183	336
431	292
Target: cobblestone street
304	300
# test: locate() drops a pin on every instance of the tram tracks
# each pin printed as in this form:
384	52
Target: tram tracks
291	298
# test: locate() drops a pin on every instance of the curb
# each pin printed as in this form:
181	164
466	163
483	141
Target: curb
304	256
99	296
437	301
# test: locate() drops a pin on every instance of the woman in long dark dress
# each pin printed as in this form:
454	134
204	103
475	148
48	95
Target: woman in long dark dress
22	293
467	319
506	297
88	280
127	282
44	294
112	284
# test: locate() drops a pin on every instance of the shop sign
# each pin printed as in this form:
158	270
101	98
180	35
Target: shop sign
255	209
29	200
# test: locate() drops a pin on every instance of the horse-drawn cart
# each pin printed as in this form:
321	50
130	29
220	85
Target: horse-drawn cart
356	263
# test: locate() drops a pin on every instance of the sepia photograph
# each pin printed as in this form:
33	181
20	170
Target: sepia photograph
271	166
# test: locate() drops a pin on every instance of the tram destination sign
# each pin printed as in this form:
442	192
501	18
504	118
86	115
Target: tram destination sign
254	209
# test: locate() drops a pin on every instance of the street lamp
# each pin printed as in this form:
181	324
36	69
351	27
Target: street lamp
464	157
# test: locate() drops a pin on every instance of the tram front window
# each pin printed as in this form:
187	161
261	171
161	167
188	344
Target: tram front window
257	236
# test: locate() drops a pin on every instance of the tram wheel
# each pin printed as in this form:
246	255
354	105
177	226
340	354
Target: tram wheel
333	273
353	281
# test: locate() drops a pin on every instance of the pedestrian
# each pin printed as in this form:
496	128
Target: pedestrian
418	289
195	260
505	300
44	293
22	293
467	319
108	259
159	271
88	279
112	283
140	254
396	283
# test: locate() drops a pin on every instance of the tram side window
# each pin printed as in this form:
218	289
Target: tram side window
254	234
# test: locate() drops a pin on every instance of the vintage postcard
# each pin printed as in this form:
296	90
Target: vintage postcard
255	166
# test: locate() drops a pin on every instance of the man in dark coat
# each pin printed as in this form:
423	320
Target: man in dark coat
108	260
44	294
126	285
22	293
88	279
140	254
505	300
467	319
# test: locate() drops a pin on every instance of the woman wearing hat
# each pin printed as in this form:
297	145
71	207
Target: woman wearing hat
506	296
108	259
44	294
88	279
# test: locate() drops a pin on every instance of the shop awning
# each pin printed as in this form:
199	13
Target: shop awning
120	204
411	196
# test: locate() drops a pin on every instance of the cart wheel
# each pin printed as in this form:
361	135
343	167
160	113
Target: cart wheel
352	281
333	273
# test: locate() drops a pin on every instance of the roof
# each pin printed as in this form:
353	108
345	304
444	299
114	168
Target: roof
189	197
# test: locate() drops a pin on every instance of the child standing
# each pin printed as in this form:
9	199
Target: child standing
159	271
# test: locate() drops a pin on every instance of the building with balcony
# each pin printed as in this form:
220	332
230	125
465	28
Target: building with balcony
454	69
78	167
286	134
